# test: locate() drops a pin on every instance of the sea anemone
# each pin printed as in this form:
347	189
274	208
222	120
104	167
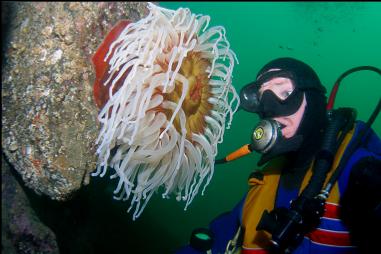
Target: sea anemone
163	86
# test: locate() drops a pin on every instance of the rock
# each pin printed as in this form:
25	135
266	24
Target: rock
21	230
49	116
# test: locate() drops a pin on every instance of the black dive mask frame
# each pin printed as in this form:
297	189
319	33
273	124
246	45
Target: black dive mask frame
269	104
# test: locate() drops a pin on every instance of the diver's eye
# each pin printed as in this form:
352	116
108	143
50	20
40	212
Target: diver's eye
281	87
285	94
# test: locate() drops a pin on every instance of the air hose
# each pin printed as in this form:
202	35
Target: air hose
364	133
331	100
312	188
340	120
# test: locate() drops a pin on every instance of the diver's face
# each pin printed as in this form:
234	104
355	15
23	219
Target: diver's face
282	88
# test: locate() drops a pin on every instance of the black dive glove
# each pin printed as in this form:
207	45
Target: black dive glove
311	209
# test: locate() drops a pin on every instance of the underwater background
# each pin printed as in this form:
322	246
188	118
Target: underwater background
331	37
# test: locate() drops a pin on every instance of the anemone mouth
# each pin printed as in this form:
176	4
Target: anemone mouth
195	105
163	86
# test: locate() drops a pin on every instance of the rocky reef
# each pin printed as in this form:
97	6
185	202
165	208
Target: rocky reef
48	114
21	229
49	118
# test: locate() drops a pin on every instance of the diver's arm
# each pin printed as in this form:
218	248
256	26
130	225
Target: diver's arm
361	203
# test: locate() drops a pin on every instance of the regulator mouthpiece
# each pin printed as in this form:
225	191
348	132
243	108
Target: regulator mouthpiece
265	134
264	138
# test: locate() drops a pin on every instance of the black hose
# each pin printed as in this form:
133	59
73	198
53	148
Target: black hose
360	68
339	120
353	147
374	114
332	96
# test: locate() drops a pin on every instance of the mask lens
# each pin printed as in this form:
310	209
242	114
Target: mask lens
249	98
272	106
280	86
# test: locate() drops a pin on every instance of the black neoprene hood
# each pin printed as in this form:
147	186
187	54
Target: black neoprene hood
303	76
306	82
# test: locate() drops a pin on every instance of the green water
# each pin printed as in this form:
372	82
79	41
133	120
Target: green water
331	37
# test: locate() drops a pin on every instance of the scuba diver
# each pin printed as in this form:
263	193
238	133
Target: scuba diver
319	190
